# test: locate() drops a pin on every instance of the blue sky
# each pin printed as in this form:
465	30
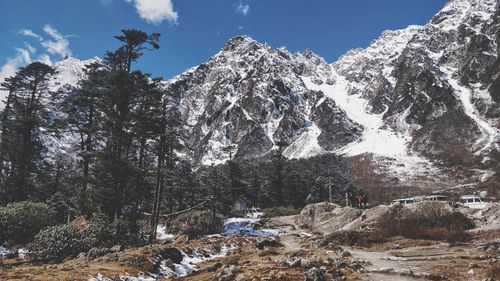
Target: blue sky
193	30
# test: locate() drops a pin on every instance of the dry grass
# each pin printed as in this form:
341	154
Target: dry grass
493	272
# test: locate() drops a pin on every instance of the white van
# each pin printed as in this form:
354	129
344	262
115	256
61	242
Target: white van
473	201
404	201
436	197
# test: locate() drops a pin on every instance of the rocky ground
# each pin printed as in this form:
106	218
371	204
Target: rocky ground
300	248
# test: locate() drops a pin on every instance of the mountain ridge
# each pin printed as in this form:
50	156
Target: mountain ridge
400	99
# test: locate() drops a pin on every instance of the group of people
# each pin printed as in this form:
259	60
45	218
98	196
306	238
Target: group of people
358	199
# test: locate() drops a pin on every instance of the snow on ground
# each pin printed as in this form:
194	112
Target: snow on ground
162	235
4	252
187	266
21	252
189	263
246	227
376	139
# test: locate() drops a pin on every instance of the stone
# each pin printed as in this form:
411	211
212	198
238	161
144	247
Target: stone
173	254
295	262
117	248
345	254
97	252
242	277
268	243
472	266
314	274
305	263
181	239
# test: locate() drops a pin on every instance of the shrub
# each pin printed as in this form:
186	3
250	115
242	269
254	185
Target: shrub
197	223
102	232
281	211
56	243
429	220
493	272
21	221
354	238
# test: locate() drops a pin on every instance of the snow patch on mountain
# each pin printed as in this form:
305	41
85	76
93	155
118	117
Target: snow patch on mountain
306	145
377	139
490	134
70	71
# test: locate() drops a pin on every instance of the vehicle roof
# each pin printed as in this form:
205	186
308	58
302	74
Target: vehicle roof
470	196
436	195
409	198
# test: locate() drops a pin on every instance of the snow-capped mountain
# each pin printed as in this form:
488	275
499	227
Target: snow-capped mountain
251	96
417	100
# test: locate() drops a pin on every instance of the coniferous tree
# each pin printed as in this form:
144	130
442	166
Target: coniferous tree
21	144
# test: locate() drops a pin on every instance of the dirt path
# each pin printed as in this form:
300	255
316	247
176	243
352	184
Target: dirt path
384	266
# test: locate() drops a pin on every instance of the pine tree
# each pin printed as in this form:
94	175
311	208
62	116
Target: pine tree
21	145
85	120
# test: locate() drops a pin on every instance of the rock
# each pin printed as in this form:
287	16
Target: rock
313	274
214	267
406	271
492	250
117	248
230	272
242	277
295	262
472	266
181	239
268	243
305	263
385	270
97	252
345	254
338	264
173	254
282	276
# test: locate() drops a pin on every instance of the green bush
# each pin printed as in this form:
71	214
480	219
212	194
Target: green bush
56	243
281	211
197	223
102	232
21	221
426	220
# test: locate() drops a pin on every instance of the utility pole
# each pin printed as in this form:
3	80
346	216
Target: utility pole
330	190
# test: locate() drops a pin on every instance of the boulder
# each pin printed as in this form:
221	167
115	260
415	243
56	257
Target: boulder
173	254
268	243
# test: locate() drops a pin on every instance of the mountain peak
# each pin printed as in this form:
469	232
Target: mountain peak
240	42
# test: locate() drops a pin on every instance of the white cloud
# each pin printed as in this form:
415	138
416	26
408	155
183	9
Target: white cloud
59	45
45	59
29	32
155	11
30	48
242	9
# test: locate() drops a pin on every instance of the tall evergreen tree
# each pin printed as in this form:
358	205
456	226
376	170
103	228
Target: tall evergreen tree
21	145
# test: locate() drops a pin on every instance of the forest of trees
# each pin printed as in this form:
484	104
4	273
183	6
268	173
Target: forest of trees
125	129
